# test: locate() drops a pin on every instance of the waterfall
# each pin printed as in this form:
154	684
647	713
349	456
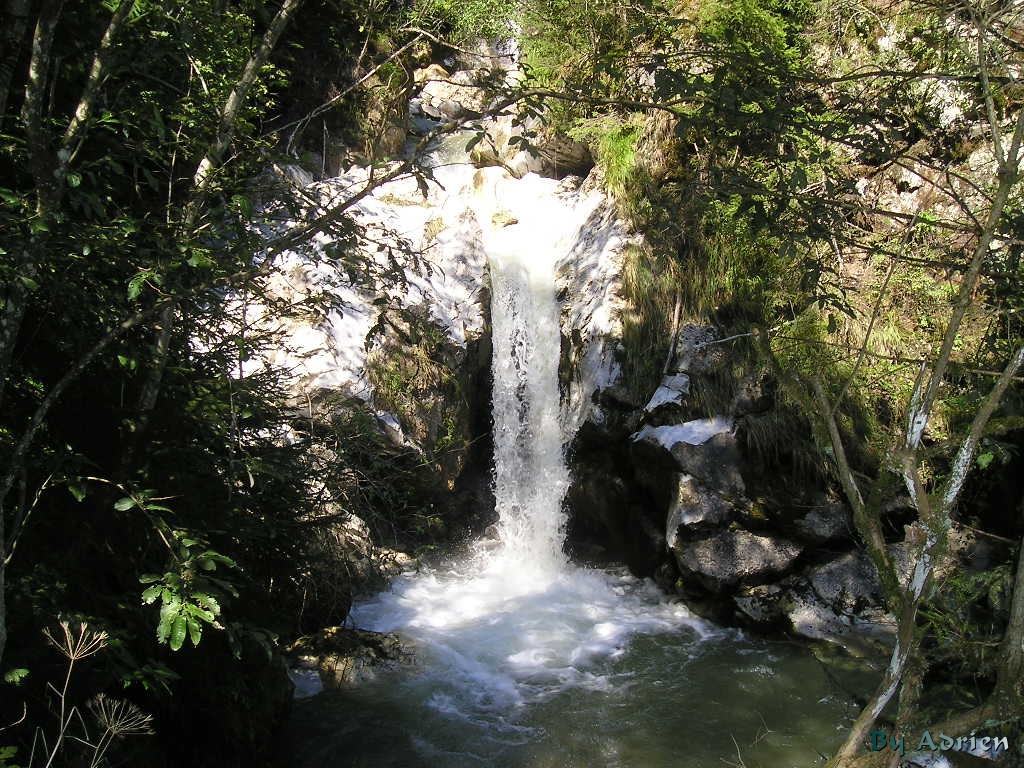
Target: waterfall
530	477
513	622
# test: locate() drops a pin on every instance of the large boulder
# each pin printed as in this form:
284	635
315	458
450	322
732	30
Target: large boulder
554	154
694	508
705	449
449	96
727	558
828	521
562	156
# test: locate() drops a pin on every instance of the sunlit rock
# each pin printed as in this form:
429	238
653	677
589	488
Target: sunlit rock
828	521
728	557
694	507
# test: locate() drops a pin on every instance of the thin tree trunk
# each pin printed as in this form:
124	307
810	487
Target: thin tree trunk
1011	667
150	392
1008	174
935	523
15	302
866	522
236	100
3	585
15	22
34	108
201	182
857	737
87	101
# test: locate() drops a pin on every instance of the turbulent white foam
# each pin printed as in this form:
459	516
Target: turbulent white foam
497	634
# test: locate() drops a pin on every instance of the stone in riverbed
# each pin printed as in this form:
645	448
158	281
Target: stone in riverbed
838	602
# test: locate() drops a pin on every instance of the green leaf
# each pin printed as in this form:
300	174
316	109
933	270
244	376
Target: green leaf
150	595
177	636
984	459
199	259
28	282
149	578
77	491
208	601
15	677
243	205
123	504
74	179
168	613
195	631
135	286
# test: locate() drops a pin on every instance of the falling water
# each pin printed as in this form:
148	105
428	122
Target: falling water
530	477
522	657
515	620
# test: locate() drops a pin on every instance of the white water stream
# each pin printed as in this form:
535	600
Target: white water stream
515	622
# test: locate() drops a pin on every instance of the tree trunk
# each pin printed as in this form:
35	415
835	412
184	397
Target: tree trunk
3	585
858	735
15	23
1011	668
236	100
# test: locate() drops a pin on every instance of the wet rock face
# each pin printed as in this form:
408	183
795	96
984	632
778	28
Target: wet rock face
343	657
728	557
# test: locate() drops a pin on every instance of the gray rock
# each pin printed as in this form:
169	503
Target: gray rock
848	584
694	351
762	604
449	96
727	558
705	449
838	602
563	156
715	463
864	633
827	522
670	393
694	508
344	656
754	396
